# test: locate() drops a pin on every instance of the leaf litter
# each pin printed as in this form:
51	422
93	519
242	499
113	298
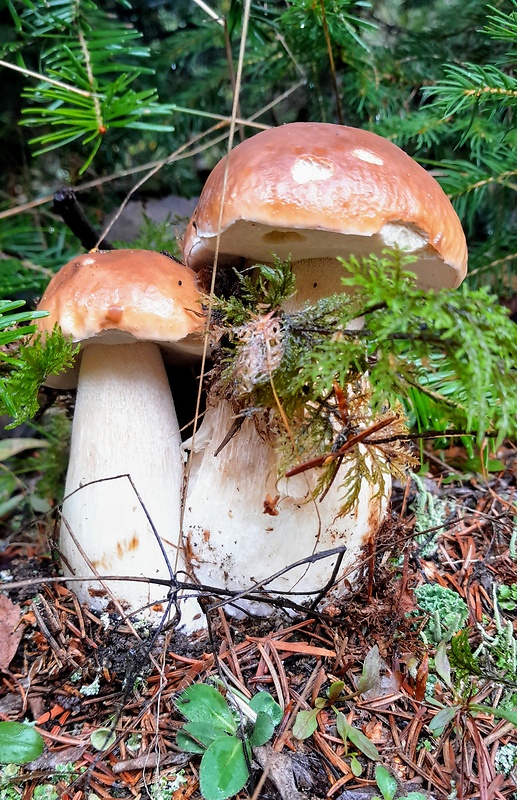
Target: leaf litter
369	642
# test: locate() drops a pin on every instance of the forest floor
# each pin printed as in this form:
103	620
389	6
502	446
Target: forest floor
73	673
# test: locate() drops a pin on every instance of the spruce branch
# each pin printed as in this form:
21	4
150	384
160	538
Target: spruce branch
470	85
86	85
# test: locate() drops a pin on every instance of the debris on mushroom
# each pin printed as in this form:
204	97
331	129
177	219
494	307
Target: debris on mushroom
128	309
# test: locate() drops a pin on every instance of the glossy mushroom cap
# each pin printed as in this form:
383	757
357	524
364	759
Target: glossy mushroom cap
122	296
316	191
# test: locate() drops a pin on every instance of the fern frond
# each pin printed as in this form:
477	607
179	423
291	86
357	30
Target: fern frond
32	364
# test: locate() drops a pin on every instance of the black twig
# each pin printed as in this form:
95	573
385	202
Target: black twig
72	214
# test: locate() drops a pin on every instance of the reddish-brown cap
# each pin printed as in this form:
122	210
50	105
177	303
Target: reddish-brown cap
121	296
317	190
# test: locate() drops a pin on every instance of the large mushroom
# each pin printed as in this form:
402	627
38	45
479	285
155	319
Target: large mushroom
316	191
310	192
125	308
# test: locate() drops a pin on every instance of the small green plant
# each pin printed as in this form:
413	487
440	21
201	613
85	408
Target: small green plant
103	738
165	787
27	367
498	651
448	612
224	736
463	691
506	759
389	788
455	350
306	722
45	791
507	596
8	774
464	340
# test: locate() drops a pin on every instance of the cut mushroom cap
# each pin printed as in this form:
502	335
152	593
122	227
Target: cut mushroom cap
122	296
119	305
319	191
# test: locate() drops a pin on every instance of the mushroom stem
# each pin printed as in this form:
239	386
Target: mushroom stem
124	424
242	524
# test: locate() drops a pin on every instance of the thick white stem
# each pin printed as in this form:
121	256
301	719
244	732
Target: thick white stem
232	543
124	423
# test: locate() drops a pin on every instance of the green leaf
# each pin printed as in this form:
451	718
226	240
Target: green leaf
9	505
305	724
262	701
511	716
45	791
223	770
386	782
334	691
462	658
103	738
19	743
356	767
357	737
202	703
442	718
203	732
39	504
263	730
188	745
371	674
442	664
11	447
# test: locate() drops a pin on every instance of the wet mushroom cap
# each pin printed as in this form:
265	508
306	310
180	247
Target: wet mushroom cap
122	296
318	190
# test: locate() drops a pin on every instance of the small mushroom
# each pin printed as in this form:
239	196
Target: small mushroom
125	308
310	192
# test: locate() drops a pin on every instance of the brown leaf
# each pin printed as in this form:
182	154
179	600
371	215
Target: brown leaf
11	631
421	679
270	505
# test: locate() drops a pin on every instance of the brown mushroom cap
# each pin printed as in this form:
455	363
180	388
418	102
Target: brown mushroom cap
122	296
318	190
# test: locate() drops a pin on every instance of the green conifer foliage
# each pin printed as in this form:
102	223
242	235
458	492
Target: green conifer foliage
102	69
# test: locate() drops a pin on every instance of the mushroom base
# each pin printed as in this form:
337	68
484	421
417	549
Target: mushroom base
242	525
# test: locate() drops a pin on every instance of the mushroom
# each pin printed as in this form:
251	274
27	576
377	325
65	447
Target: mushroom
313	191
310	192
124	307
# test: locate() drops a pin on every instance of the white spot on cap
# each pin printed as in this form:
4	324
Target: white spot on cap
88	261
396	234
367	155
310	168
